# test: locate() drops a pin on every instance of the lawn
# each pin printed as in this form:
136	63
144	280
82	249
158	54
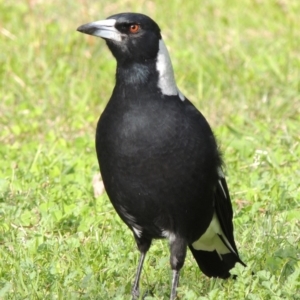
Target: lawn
238	61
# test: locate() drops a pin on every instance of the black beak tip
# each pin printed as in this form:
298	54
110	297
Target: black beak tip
87	29
80	28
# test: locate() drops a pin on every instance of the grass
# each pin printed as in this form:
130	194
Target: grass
238	61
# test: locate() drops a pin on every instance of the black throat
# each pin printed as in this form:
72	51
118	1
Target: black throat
137	75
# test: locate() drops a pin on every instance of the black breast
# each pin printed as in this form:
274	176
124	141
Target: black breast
157	154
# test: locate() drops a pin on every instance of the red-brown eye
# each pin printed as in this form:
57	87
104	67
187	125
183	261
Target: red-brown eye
134	28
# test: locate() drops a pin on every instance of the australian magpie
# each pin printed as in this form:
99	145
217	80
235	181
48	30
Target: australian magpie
158	157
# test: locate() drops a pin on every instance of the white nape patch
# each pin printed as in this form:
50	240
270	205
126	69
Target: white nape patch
166	81
137	231
106	29
211	241
169	235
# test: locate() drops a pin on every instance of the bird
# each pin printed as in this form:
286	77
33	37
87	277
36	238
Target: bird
158	157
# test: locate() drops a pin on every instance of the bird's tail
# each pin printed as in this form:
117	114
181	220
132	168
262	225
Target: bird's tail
214	265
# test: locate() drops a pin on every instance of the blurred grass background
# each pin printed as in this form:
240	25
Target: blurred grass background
238	61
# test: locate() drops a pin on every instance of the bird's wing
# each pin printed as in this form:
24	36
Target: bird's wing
223	209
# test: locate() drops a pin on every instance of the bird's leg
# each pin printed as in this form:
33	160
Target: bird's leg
178	248
143	246
175	281
135	287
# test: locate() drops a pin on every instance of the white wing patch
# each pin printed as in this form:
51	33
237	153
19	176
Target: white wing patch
211	241
166	81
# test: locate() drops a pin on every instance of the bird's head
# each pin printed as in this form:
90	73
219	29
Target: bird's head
136	43
129	36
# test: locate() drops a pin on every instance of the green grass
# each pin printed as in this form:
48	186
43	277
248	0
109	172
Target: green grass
237	60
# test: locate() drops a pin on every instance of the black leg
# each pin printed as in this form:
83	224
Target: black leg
135	287
178	248
143	246
175	281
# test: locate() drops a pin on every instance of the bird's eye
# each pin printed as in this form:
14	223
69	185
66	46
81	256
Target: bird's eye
134	28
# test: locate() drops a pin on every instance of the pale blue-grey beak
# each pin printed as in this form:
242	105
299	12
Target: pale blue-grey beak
104	29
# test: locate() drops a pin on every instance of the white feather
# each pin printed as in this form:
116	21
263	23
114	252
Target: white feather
169	235
220	173
220	183
164	67
138	232
211	241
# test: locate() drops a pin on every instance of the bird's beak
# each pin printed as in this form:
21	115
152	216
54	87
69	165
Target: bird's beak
104	29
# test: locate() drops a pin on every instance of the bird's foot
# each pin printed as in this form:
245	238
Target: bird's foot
135	294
